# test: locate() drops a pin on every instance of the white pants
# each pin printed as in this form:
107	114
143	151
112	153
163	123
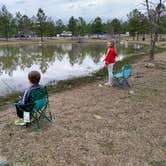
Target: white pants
110	72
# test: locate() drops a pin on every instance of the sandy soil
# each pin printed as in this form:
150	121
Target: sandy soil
96	125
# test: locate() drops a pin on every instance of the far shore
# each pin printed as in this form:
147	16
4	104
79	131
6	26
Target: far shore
11	41
49	40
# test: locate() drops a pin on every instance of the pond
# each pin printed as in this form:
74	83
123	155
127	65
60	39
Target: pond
54	61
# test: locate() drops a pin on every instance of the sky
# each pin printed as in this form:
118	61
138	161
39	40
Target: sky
64	9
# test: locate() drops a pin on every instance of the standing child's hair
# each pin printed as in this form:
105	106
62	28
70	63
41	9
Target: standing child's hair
110	43
34	77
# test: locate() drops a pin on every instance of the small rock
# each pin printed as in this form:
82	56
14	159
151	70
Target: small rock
100	85
131	92
98	117
99	78
149	65
69	86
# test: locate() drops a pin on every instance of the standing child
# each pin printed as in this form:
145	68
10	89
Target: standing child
34	79
110	61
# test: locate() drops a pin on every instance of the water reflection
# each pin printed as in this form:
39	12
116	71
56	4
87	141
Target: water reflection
55	62
14	56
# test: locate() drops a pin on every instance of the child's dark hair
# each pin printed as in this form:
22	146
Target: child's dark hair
34	77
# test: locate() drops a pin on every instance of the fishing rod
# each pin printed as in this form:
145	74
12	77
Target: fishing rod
9	89
8	86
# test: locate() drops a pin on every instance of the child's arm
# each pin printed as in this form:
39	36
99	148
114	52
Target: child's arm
108	57
116	54
25	96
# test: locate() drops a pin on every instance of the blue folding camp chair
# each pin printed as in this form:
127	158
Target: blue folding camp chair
121	79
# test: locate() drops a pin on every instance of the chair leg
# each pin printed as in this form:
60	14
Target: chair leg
49	115
46	115
36	122
126	82
119	83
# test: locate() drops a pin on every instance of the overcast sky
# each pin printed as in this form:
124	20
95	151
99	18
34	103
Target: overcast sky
64	9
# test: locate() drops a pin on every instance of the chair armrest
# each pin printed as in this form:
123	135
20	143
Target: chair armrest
20	104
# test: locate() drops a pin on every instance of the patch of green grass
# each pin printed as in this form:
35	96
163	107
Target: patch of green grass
164	144
107	147
24	163
158	163
28	163
106	144
9	98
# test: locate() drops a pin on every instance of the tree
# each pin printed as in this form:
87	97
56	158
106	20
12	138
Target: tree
6	22
116	25
89	28
50	27
81	26
41	21
137	23
18	21
97	26
59	26
107	27
155	13
72	26
124	27
25	25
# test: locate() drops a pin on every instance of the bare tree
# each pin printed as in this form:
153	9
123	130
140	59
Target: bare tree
155	12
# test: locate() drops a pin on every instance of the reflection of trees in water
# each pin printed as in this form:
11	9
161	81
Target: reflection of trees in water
121	49
24	56
8	60
78	54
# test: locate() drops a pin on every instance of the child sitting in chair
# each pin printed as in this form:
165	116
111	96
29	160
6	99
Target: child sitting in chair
34	79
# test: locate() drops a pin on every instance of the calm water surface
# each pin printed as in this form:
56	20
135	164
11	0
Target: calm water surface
55	62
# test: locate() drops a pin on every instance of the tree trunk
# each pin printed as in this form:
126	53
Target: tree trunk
133	38
152	45
6	33
41	38
137	37
143	37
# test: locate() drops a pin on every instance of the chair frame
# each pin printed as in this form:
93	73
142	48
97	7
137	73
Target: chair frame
122	80
41	109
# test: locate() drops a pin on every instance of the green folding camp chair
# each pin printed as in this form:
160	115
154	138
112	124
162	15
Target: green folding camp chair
40	108
121	79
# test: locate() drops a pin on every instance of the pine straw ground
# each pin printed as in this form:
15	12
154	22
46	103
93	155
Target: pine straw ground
95	125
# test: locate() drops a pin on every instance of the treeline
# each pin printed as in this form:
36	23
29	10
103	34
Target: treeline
41	25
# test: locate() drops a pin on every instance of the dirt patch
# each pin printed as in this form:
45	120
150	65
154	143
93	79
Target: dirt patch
96	125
